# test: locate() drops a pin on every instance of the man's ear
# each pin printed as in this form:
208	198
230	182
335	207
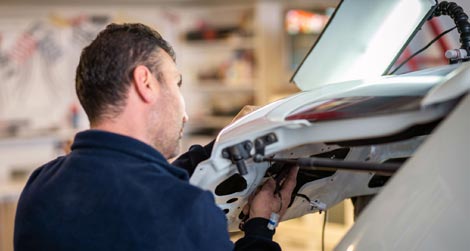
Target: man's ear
144	83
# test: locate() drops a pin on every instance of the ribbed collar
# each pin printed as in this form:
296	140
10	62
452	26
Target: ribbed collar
95	139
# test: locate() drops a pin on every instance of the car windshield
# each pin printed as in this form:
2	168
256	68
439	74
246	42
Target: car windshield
362	40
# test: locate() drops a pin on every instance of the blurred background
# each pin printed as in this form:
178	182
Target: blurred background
231	54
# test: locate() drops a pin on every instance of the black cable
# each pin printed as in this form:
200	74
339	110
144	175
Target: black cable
422	49
303	196
325	219
454	11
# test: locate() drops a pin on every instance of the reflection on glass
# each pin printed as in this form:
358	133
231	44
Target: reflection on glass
361	41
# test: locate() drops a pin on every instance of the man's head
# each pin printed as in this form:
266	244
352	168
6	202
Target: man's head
128	73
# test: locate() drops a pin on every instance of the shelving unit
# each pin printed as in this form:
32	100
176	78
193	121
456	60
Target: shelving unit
257	29
231	43
220	71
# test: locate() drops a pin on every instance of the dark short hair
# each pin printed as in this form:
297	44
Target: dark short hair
106	66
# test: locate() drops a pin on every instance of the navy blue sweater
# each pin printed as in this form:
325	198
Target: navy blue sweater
114	192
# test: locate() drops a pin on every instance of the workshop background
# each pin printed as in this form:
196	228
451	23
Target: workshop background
231	54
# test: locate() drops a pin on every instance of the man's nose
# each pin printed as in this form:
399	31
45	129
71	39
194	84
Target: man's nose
185	117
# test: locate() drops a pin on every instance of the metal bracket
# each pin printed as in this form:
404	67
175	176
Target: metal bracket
260	145
238	154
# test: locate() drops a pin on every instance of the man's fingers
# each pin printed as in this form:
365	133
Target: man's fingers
244	111
289	183
246	209
269	186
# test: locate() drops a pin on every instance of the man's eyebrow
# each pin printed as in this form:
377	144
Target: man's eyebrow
181	81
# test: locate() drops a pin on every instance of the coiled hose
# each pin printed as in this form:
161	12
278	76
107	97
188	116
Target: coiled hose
460	19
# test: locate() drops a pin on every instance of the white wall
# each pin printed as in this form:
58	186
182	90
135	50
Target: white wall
40	48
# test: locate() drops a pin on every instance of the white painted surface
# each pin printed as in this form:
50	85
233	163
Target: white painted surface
425	205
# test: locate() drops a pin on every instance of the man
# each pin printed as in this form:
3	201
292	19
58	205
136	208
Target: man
116	190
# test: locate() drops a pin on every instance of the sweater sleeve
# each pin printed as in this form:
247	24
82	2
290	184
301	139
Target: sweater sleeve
206	228
257	237
195	155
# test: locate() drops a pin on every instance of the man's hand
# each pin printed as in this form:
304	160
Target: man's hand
267	201
244	111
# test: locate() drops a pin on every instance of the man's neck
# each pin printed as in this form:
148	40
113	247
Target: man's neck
124	127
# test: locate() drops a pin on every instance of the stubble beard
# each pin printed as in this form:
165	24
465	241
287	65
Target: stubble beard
177	143
168	145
